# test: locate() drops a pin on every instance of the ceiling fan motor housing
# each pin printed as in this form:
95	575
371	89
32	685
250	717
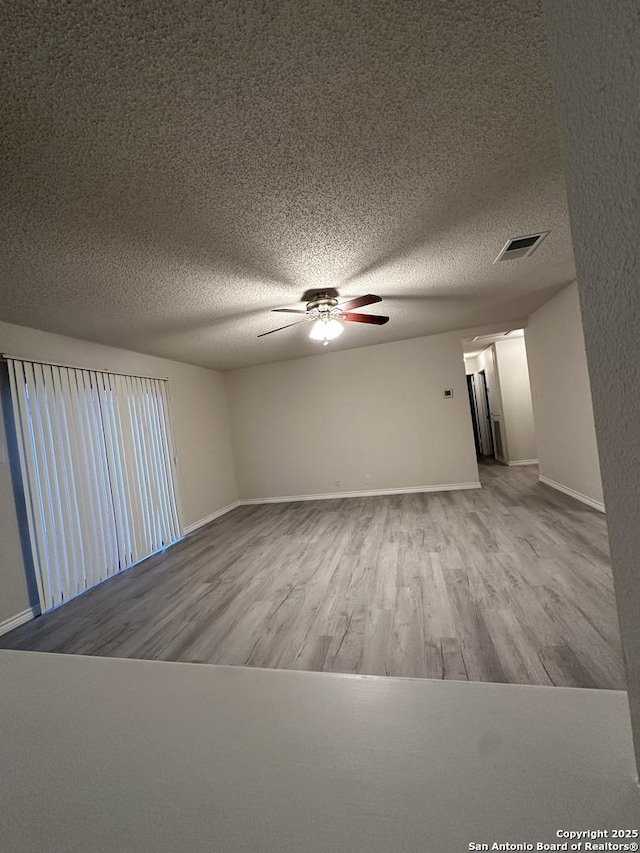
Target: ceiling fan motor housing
321	302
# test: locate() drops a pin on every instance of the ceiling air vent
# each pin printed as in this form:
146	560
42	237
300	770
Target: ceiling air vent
489	338
520	247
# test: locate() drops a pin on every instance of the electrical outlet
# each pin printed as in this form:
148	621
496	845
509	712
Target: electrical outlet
337	483
367	479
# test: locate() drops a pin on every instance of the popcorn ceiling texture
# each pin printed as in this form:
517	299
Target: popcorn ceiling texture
171	171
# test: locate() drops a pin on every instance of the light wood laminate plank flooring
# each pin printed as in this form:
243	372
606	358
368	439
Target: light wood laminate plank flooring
510	583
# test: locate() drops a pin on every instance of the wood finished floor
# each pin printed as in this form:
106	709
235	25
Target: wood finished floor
510	583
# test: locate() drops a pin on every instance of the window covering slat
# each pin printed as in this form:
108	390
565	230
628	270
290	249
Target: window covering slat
158	467
139	455
99	523
78	492
64	485
123	546
44	463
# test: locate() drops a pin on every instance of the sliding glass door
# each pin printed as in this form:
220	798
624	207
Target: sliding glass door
96	458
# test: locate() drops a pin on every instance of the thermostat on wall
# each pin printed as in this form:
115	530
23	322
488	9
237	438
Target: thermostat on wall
448	392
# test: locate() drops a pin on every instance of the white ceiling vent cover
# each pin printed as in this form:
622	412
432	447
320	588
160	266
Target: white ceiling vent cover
520	247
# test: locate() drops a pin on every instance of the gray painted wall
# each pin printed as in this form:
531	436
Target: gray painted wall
594	50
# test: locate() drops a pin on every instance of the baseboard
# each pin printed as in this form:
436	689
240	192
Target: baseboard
19	619
572	493
196	524
523	462
449	487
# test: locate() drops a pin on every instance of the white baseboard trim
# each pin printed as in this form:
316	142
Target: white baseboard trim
523	462
448	487
19	619
572	493
196	524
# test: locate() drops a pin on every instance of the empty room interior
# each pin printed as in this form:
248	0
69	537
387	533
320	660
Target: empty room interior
300	381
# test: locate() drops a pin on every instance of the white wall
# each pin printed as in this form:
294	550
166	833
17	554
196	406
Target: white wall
173	757
565	430
515	392
205	477
298	426
594	49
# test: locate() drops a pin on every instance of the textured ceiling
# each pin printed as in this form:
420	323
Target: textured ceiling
171	171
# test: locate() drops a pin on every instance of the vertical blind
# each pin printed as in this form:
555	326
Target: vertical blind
96	460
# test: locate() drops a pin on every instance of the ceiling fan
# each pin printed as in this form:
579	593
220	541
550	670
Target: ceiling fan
329	314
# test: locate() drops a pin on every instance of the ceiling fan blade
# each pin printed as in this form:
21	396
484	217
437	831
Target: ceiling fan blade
374	319
290	310
288	326
359	302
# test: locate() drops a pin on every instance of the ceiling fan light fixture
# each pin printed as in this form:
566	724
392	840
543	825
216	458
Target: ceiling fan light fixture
329	314
325	330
